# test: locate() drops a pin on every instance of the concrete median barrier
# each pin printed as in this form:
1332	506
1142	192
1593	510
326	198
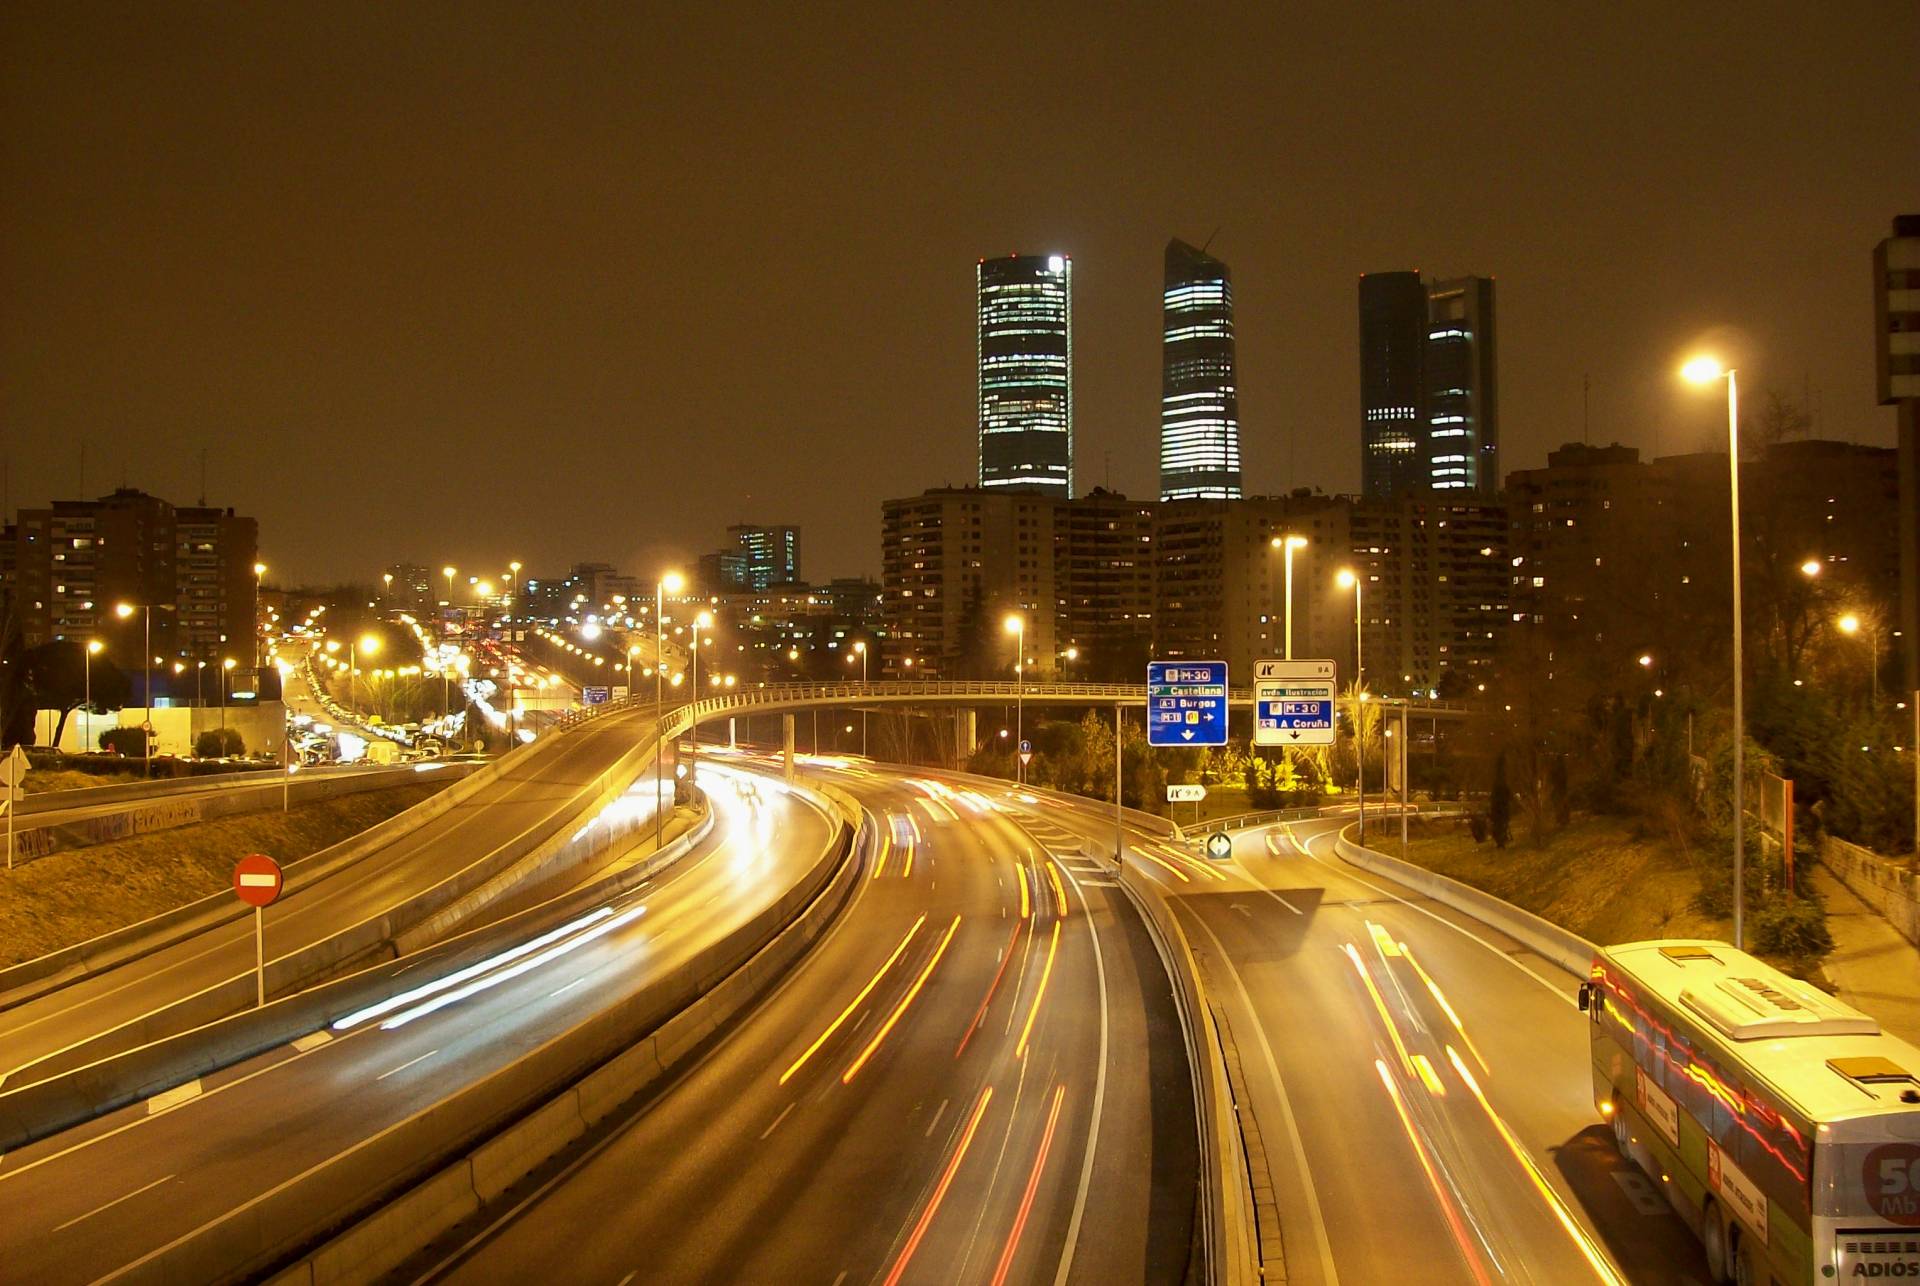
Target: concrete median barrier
68	1089
515	1119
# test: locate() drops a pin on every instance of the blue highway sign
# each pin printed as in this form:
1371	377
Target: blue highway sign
1186	703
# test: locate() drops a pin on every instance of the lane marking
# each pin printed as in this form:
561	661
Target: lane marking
1033	1183
940	1189
111	1204
853	1068
568	986
1351	873
873	982
313	1040
174	1097
1297	1144
776	1121
409	1063
928	1133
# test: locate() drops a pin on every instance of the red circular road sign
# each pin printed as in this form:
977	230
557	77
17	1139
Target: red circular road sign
257	879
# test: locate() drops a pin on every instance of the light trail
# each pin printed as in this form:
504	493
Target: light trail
1006	958
940	1189
1040	994
853	1068
1439	1190
1591	1252
852	1005
1033	1184
1445	1008
1380	1004
1059	892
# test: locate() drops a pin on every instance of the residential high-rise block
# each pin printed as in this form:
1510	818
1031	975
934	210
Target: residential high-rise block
1462	411
1024	348
1199	401
1393	340
1896	324
772	553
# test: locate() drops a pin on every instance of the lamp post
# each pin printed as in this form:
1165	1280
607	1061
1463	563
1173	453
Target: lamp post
1016	625
125	611
1287	544
94	648
672	581
226	672
704	620
1850	625
448	573
1705	370
370	644
259	570
860	649
1348	580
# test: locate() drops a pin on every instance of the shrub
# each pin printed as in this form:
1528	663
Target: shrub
1500	804
1792	927
130	742
219	743
1477	823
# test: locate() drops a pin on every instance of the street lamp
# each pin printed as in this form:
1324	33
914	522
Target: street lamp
1287	544
700	622
125	611
672	582
226	672
1706	370
1016	625
860	649
259	570
1346	579
448	573
1850	625
369	644
1810	568
94	648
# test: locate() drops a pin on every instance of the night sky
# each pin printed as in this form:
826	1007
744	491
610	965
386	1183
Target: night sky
458	283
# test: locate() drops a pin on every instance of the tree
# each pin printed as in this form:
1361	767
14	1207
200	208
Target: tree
1500	803
219	743
57	678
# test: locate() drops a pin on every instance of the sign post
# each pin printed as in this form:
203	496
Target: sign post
1187	793
1026	754
1186	703
257	881
14	770
1293	703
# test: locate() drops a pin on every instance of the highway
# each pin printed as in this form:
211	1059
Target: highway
97	1200
978	1075
1419	1082
534	793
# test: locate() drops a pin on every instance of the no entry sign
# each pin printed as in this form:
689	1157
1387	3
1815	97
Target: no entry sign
257	879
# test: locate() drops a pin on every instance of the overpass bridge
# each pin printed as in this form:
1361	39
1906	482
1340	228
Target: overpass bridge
786	698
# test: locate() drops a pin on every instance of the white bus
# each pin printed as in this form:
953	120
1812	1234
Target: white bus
1782	1124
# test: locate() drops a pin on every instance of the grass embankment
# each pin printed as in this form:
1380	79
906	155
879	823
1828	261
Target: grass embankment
76	894
39	780
1595	877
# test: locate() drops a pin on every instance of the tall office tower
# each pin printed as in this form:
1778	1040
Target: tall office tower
1463	421
1025	350
772	553
1393	340
1896	327
1199	403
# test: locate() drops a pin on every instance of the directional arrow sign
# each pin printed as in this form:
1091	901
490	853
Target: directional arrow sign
1293	703
1186	703
1219	846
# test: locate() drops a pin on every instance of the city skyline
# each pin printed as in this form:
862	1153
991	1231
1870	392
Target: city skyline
244	313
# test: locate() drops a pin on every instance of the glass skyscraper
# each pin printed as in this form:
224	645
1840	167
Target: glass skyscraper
1199	400
1025	351
1463	422
1393	339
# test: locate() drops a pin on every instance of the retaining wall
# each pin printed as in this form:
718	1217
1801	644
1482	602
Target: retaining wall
1886	885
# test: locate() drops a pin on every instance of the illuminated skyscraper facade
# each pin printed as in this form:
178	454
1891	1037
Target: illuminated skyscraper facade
1199	399
1393	338
1024	345
1463	420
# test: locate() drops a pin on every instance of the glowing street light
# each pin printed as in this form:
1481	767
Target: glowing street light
1346	579
671	583
1016	625
1850	624
1287	544
1810	568
94	648
1707	370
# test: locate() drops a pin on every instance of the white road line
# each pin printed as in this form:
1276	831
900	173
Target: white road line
629	1277
938	1113
111	1204
1292	1127
174	1097
313	1040
1248	877
404	1066
1350	871
568	986
1099	1093
776	1121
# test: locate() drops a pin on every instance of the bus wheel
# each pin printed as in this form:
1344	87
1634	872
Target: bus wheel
1713	1235
1743	1270
1623	1137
